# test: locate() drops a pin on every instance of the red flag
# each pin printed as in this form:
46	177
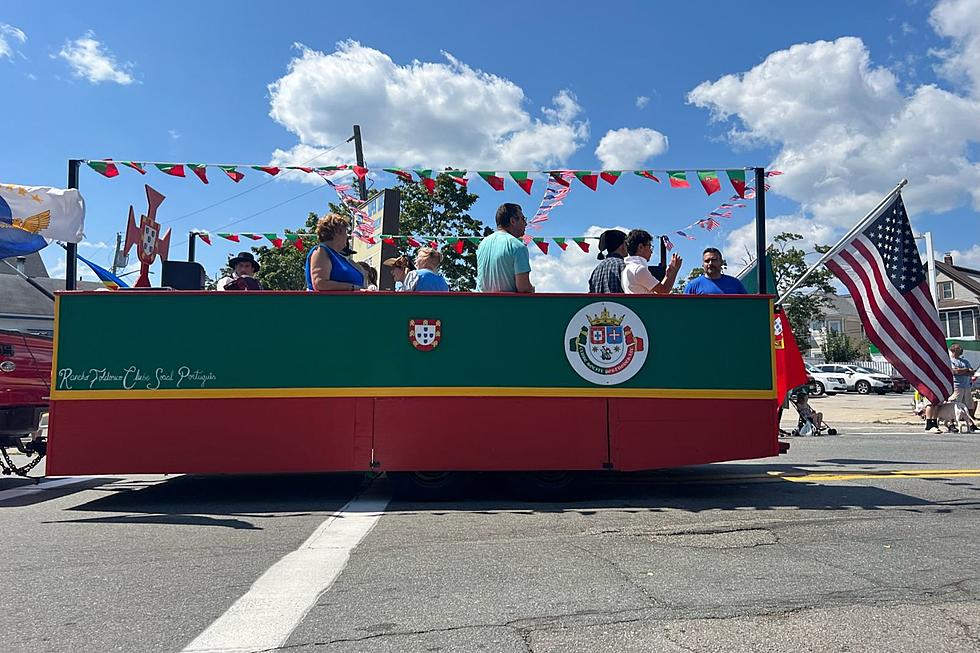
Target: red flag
413	243
360	171
790	371
458	246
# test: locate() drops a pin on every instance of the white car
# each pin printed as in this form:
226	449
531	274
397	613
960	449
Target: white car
826	382
860	379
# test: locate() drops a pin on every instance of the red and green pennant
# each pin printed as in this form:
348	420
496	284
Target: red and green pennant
610	177
296	241
458	176
737	177
205	237
232	237
404	175
473	241
135	165
388	240
525	182
587	178
412	242
584	246
678	179
274	239
172	169
232	173
497	183
559	179
425	178
251	236
647	174
360	171
269	170
200	170
104	168
542	244
561	242
456	244
709	180
305	169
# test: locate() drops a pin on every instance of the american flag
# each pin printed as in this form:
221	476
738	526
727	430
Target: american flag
881	268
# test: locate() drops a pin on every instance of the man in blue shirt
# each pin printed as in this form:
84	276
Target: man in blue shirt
962	379
502	263
713	282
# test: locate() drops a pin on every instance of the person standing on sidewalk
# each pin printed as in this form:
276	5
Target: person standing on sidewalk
962	379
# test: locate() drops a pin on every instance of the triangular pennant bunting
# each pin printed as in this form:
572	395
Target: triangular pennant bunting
737	177
709	180
610	176
135	165
232	173
522	180
678	179
200	170
104	168
587	178
497	183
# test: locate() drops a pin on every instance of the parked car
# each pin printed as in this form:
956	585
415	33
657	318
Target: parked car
860	379
899	384
25	373
826	382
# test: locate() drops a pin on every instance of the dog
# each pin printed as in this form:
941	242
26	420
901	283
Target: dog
953	414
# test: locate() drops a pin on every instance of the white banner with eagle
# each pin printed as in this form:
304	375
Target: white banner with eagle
54	213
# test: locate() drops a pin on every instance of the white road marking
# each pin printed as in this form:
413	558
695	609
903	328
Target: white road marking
265	616
43	486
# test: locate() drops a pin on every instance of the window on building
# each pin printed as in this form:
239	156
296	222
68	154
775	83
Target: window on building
835	326
958	324
816	325
945	289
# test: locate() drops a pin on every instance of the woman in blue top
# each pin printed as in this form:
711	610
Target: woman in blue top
326	270
425	277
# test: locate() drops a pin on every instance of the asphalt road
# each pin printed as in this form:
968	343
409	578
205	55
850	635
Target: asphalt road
860	542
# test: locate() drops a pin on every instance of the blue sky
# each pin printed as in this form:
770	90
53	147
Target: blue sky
845	98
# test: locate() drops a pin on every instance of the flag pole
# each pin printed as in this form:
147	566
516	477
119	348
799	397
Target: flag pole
873	214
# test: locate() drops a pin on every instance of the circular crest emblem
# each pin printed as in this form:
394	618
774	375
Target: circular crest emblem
606	343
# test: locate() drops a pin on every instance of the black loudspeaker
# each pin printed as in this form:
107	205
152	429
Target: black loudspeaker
183	275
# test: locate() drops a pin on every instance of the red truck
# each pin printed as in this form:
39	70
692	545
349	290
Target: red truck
25	389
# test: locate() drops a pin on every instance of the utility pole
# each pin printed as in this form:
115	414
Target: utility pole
359	157
71	251
117	261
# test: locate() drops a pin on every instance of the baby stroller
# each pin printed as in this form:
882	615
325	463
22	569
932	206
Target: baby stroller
811	422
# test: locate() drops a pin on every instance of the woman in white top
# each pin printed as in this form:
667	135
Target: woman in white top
637	278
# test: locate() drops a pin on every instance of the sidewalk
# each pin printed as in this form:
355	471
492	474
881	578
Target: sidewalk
860	409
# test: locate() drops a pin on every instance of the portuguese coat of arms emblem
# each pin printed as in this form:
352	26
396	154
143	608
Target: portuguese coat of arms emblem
424	334
606	343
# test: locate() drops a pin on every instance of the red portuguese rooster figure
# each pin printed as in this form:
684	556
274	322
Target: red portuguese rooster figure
147	236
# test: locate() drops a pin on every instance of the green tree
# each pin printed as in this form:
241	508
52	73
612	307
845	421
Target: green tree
443	213
284	268
805	304
839	348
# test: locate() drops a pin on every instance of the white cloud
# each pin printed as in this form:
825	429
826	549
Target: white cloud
566	271
969	258
91	61
642	101
846	133
907	29
959	20
629	148
418	114
8	34
174	134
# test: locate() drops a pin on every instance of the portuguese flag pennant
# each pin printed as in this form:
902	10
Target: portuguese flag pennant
200	170
582	244
135	165
360	171
232	173
404	175
678	179
646	174
556	175
520	176
270	170
709	179
473	241
205	237
610	176
305	169
412	242
425	177
737	177
274	239
497	183
251	236
104	168
456	244
173	169
296	241
458	176
232	237
587	178
561	243
388	240
542	244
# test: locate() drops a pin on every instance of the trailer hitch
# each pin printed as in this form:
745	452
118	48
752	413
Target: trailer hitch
36	448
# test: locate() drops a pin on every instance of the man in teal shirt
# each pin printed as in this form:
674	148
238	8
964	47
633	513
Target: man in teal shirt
502	263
